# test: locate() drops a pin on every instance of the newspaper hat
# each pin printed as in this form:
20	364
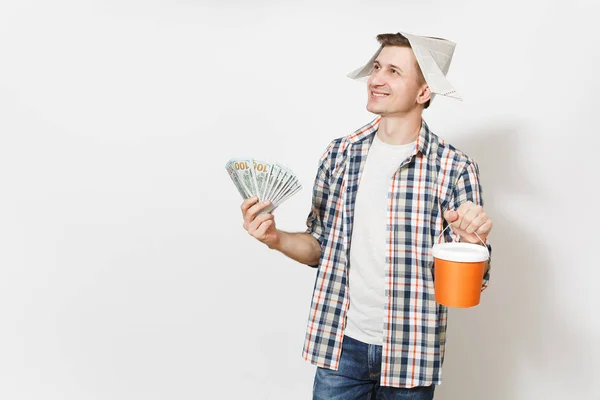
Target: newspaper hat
433	56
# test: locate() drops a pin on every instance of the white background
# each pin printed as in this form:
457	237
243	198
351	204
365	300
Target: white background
125	272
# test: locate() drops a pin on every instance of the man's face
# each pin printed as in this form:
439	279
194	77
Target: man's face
395	83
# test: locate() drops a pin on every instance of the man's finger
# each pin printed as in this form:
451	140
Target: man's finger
246	204
450	215
469	216
253	211
485	228
262	229
477	222
254	225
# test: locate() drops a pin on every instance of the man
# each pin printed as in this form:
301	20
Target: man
381	198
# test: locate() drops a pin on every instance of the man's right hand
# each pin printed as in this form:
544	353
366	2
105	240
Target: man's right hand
261	227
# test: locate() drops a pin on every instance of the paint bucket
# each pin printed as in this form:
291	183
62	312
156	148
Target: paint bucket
458	272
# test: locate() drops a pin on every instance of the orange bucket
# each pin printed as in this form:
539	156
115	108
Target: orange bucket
458	273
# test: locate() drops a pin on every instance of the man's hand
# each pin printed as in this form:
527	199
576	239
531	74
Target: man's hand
468	220
261	227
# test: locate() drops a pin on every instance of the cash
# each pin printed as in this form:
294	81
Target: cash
267	181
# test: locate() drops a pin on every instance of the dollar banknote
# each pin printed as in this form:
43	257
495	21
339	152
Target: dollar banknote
266	181
245	172
262	170
246	194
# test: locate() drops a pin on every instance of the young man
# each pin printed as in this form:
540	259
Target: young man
382	197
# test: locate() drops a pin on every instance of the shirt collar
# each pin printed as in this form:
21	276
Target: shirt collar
367	132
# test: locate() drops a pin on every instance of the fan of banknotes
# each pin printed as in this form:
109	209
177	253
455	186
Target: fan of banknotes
267	181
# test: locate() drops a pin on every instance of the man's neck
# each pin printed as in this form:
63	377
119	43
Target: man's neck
399	130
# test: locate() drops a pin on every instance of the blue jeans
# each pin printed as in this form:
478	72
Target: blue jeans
357	377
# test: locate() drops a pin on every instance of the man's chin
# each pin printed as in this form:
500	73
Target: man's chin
374	110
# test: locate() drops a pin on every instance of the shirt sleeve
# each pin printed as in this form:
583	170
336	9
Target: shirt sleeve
315	219
468	188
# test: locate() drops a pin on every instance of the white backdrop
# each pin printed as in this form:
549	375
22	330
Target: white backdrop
125	272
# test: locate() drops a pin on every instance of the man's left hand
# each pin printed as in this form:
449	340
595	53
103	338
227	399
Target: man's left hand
468	220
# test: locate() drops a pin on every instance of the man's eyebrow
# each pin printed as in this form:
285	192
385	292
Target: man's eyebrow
391	65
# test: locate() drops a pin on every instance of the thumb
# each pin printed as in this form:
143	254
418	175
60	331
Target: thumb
450	216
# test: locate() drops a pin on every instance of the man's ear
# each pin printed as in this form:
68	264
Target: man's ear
424	94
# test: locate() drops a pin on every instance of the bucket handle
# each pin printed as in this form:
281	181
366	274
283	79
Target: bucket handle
482	242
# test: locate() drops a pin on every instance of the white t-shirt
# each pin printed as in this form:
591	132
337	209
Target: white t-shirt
368	267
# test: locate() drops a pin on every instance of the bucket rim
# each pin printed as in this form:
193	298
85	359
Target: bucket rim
460	252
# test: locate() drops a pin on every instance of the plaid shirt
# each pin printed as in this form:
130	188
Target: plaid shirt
436	177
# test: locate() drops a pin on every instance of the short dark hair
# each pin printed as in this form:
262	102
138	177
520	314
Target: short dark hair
399	40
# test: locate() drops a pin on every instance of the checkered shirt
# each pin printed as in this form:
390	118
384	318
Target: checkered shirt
436	177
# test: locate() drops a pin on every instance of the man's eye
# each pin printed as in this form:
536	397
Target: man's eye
394	72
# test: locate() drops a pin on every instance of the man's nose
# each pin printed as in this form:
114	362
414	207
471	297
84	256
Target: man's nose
376	79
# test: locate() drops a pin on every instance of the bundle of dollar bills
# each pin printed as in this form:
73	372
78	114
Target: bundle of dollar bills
267	181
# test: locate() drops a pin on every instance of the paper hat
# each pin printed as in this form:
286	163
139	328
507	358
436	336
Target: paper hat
433	55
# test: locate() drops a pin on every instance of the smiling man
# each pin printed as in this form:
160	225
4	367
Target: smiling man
381	198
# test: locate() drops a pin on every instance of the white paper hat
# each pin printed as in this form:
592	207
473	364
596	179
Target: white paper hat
433	55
